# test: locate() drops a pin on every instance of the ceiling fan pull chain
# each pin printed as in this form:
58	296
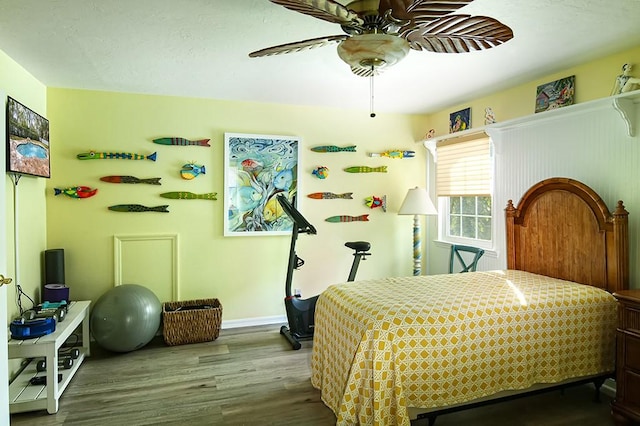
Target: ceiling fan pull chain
371	113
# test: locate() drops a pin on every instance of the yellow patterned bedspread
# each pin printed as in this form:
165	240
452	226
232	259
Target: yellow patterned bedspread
384	345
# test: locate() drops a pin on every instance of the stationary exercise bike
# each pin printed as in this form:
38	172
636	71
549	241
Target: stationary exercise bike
300	312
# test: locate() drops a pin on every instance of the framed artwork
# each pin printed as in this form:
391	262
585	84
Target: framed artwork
257	168
556	94
460	120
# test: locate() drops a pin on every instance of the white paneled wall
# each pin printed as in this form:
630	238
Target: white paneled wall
589	144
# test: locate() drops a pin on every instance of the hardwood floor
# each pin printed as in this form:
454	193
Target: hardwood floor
251	376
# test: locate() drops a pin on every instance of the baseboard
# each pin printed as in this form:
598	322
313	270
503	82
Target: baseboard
609	388
251	322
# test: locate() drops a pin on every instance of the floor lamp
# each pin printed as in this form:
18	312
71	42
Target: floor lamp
418	203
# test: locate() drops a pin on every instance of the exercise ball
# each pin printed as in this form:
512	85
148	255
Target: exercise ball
125	318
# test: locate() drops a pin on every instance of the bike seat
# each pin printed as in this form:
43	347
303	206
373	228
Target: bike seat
358	245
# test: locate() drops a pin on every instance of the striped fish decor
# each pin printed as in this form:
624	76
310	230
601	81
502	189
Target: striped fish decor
181	142
330	196
345	218
184	195
138	208
333	148
92	155
366	169
130	179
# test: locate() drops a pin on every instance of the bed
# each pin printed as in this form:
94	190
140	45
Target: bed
391	350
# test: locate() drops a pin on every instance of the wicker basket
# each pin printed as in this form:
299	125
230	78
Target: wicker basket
191	325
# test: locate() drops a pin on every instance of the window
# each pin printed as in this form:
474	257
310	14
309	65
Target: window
470	217
463	186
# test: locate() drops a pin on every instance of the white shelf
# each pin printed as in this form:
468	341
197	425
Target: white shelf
24	396
625	104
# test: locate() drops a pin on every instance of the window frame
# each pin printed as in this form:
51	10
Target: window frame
443	205
443	227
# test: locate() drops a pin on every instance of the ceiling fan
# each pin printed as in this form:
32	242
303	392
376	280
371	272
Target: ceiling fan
379	33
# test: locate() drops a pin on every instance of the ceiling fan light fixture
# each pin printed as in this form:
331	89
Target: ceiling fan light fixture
372	51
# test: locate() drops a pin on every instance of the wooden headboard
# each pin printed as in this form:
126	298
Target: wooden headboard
562	229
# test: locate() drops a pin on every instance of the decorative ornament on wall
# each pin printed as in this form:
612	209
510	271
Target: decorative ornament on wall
191	171
321	172
393	153
330	196
374	202
489	116
345	218
430	134
130	179
625	82
138	208
92	155
76	191
366	169
556	94
182	142
333	148
185	195
460	120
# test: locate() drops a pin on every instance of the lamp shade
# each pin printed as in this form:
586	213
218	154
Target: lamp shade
417	202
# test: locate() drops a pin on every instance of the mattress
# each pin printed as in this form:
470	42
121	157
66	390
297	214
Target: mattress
381	346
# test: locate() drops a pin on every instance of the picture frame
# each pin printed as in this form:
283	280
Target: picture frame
555	94
460	120
256	169
28	147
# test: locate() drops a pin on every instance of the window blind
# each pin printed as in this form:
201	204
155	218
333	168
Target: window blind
464	167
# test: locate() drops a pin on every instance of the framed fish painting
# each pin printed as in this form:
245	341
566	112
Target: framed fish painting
257	168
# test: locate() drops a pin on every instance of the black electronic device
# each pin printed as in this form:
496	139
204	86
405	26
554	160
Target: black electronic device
54	266
42	380
300	312
65	362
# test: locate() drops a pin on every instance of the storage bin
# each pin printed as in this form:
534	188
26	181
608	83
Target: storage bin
191	321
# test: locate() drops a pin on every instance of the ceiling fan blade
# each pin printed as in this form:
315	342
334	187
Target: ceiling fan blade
298	46
327	10
425	9
457	34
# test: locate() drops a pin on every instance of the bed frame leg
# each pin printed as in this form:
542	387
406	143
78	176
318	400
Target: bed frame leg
598	384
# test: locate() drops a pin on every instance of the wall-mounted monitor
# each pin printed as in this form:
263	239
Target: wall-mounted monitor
28	150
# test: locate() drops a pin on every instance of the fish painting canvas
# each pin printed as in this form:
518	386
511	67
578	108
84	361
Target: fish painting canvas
257	168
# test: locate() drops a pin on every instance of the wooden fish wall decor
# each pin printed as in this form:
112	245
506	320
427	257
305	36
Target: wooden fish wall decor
76	191
330	196
181	142
130	179
366	169
138	208
92	155
333	148
344	218
321	172
373	202
395	153
184	195
191	171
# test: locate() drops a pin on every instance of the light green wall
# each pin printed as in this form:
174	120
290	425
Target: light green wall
246	273
31	205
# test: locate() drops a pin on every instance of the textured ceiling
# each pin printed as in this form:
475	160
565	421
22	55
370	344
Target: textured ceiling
198	48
